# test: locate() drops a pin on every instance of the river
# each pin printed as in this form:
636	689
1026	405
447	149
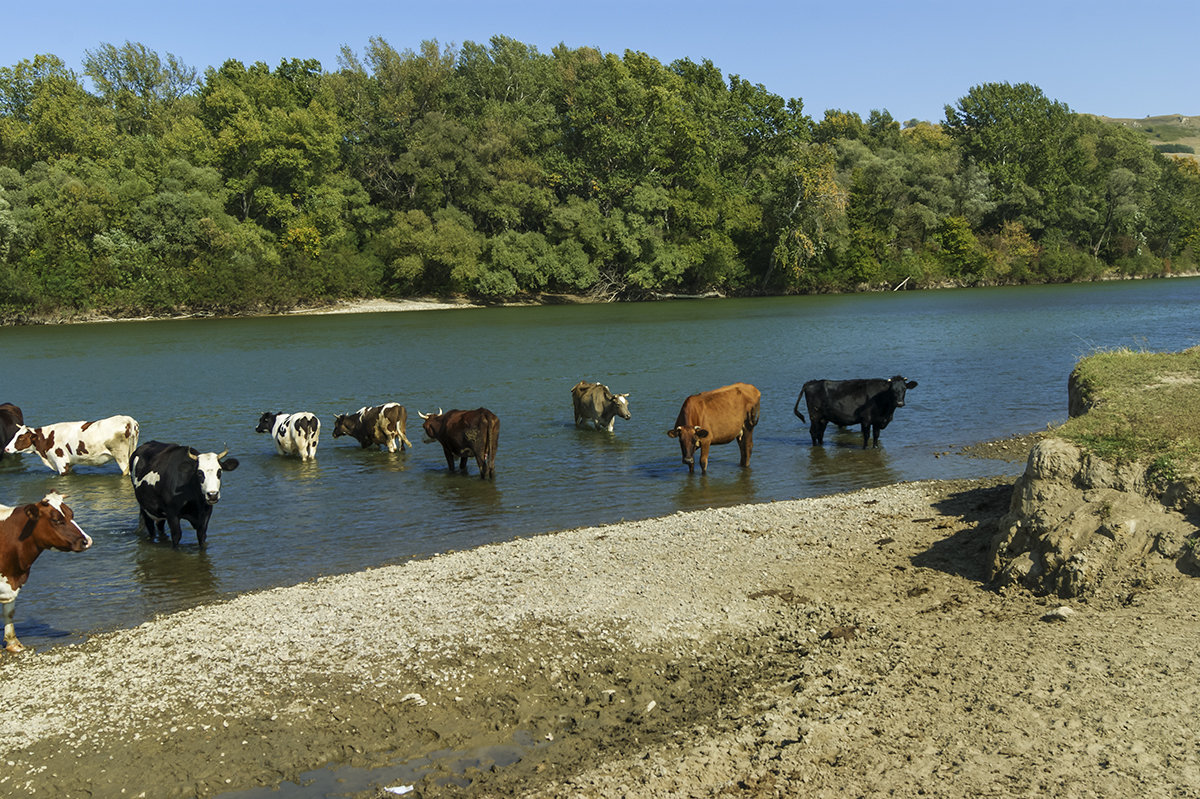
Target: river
990	363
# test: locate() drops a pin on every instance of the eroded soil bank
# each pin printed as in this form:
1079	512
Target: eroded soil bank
839	646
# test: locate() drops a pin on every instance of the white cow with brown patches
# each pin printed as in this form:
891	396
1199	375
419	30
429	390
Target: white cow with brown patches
67	444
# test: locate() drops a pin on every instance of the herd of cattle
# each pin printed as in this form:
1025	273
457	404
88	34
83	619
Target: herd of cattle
173	483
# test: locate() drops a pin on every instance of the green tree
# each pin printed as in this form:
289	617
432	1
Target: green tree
1019	138
140	87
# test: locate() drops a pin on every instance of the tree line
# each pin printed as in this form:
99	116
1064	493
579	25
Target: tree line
496	171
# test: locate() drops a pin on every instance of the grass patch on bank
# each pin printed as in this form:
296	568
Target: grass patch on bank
1144	408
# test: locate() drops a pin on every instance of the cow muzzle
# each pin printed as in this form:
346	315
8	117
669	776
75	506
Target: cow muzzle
212	497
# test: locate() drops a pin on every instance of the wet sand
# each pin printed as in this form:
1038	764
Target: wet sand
837	646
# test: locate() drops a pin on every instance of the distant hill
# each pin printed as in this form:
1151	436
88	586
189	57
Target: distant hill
1171	130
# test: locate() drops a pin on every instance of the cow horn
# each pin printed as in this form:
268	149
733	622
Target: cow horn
224	452
194	457
424	415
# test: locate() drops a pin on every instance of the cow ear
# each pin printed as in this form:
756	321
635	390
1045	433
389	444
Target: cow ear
911	384
229	464
701	432
673	432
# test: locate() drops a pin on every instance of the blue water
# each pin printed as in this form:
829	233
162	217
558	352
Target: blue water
989	362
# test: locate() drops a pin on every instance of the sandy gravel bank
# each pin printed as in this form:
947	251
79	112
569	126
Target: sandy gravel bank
839	646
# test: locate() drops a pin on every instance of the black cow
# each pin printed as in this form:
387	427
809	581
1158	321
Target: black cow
173	482
463	433
11	419
869	403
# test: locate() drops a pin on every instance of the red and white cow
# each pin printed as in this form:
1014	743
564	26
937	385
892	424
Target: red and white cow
67	444
26	531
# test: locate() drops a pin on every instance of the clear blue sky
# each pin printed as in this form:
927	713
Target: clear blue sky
912	58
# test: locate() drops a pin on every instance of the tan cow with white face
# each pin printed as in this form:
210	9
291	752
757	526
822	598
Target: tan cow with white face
595	403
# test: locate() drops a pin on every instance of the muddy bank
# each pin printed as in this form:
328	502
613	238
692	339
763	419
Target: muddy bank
837	646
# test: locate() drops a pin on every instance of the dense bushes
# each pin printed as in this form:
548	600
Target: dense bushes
495	171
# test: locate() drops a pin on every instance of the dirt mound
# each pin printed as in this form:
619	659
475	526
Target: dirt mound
1078	525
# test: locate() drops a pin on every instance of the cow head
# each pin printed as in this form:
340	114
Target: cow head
619	403
52	525
209	466
689	441
899	387
24	440
344	424
266	422
431	425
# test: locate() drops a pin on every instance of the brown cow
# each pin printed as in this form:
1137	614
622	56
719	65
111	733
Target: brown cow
11	419
717	417
24	532
378	425
463	433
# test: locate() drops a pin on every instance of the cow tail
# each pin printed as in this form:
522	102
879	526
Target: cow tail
796	410
492	441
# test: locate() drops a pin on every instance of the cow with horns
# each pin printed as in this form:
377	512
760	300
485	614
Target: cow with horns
464	433
173	483
595	403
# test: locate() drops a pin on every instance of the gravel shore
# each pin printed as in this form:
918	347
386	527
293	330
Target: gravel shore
838	646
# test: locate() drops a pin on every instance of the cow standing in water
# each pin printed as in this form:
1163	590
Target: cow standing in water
869	403
293	433
375	426
463	433
25	532
173	483
717	417
11	419
595	403
65	444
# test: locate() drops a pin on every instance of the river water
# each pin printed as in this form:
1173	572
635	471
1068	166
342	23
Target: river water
989	362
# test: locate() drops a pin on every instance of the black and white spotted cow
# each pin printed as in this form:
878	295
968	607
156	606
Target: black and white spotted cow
293	433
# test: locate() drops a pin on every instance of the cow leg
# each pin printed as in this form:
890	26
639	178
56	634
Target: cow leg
866	433
149	524
746	443
11	644
816	430
463	463
704	456
176	530
449	457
